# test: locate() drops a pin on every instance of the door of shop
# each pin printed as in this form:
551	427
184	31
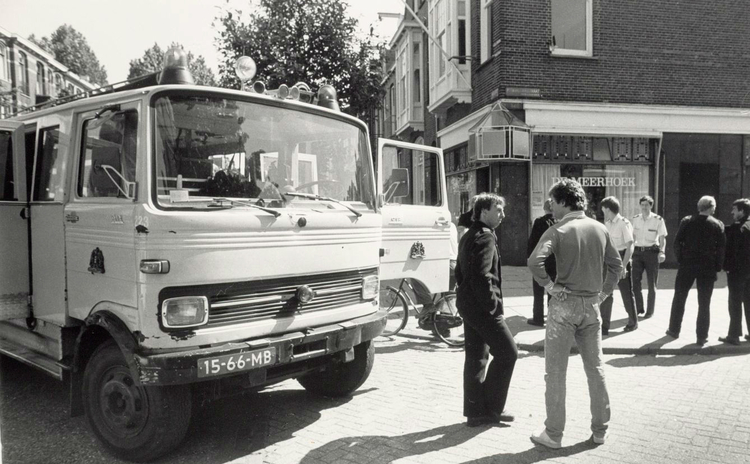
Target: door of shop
696	180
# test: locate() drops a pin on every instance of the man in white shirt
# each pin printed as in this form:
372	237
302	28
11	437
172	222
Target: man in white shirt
621	232
650	235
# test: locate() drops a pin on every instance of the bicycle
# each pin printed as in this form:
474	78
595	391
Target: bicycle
444	320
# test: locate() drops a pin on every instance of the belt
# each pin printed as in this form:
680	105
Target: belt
648	248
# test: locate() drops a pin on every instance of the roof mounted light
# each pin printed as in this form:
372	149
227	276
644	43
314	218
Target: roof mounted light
175	69
245	68
327	97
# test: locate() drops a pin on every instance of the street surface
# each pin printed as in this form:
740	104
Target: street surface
665	409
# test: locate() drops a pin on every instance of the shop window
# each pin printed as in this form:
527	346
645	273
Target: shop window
48	168
627	182
572	27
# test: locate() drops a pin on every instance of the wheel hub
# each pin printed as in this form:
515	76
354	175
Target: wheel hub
122	402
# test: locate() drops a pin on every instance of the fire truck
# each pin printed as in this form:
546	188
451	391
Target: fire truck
165	244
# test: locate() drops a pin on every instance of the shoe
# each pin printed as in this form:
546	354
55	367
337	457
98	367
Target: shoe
641	311
605	332
648	315
747	337
477	421
629	328
701	341
504	416
534	322
672	334
599	440
730	340
543	439
424	323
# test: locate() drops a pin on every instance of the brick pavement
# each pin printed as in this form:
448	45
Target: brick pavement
666	409
650	337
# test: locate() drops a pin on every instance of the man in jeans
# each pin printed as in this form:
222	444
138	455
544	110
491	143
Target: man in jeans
588	268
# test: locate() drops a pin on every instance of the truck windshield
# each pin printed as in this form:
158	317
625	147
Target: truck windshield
210	150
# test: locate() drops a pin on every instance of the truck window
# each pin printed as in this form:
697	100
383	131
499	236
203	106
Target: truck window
422	180
210	148
6	162
108	157
48	175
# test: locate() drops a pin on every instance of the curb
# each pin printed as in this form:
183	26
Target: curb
722	349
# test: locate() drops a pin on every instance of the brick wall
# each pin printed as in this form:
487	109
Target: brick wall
664	52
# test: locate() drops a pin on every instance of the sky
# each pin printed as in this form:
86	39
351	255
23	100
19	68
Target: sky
118	35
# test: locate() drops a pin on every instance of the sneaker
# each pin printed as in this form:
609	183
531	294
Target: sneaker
599	440
543	439
730	340
672	334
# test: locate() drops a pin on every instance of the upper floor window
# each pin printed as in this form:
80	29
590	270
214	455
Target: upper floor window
41	82
485	30
402	75
572	27
4	62
462	39
440	26
59	86
23	73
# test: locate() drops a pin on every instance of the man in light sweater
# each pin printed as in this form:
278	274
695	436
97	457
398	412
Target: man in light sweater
588	268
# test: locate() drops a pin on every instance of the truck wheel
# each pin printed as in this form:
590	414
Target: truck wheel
133	422
339	378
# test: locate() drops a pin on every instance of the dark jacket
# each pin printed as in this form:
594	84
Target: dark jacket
737	256
541	224
700	243
478	271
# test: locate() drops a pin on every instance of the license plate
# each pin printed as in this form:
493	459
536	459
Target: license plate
239	362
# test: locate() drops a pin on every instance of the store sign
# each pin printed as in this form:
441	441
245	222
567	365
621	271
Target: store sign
600	181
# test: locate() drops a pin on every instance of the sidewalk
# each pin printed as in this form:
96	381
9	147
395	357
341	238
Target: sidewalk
650	338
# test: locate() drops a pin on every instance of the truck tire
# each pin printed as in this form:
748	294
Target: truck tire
339	378
133	422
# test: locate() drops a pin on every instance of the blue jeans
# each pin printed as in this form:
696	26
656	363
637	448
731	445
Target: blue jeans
577	318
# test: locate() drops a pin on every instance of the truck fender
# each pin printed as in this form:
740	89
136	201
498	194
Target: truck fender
99	327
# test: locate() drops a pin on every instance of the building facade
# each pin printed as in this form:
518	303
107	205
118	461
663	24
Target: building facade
30	76
630	98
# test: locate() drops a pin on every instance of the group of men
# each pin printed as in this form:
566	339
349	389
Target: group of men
587	266
641	245
578	262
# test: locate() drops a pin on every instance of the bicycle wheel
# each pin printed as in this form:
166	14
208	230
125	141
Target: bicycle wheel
447	324
398	312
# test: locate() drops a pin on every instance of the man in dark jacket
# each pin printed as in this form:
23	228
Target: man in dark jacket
699	246
541	224
737	265
479	300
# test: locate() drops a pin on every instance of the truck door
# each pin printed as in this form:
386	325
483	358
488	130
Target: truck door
416	219
14	245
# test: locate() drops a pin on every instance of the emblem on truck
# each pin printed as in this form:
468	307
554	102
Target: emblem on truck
96	263
417	251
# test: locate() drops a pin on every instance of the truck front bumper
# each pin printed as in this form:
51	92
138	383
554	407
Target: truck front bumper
182	367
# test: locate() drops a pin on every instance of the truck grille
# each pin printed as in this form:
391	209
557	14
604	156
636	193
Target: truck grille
275	298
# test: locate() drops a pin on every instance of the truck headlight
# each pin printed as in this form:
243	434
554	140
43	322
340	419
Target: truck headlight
370	287
184	311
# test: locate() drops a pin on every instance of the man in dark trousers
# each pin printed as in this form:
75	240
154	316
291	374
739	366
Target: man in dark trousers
541	224
699	247
737	265
480	303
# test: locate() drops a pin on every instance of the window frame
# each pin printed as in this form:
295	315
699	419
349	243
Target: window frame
23	69
4	68
41	82
589	51
485	30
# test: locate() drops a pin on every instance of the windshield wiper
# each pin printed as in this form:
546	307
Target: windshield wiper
246	203
312	196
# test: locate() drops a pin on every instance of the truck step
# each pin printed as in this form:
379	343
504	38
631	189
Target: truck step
32	358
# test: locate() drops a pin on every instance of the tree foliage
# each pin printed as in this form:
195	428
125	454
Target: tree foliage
153	60
311	41
70	48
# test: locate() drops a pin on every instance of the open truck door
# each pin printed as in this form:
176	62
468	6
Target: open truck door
416	219
14	246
